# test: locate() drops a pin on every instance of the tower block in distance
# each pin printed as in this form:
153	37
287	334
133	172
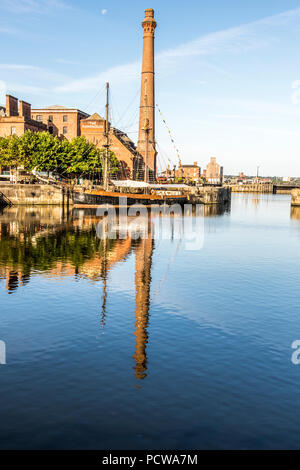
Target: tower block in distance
146	141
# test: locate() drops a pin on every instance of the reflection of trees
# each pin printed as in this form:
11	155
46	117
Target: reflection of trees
41	252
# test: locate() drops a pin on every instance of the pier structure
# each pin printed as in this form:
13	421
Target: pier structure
146	140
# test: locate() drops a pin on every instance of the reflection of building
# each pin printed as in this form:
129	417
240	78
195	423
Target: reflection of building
14	280
16	118
60	121
295	212
213	210
143	255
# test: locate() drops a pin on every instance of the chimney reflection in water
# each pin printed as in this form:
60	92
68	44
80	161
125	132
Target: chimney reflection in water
143	256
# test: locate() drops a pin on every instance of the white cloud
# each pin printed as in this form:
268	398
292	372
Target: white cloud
32	6
103	11
2	91
31	89
233	40
25	79
125	73
6	30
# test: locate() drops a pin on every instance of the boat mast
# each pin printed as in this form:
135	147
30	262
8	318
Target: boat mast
146	129
105	168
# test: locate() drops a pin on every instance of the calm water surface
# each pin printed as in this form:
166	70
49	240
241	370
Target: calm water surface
145	344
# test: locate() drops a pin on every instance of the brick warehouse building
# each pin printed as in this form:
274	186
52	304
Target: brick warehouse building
189	172
130	162
60	121
16	118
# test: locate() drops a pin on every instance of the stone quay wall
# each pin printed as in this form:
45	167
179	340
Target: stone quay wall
33	194
210	195
252	188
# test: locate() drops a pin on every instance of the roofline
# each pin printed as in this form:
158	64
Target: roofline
72	110
190	166
11	96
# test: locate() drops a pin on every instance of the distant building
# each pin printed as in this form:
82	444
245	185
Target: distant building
130	162
213	171
60	121
188	172
16	118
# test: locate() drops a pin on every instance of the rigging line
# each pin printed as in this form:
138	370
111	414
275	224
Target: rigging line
133	122
98	93
170	134
157	292
114	109
166	156
163	153
133	116
160	157
129	106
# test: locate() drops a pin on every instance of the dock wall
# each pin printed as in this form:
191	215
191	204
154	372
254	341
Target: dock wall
33	194
210	195
43	194
252	188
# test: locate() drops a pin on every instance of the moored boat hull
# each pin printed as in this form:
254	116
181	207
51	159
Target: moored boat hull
117	199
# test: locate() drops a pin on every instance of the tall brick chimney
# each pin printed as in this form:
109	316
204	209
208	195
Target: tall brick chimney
147	104
24	109
11	106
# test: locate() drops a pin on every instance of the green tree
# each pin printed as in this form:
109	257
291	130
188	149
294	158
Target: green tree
84	157
47	154
44	152
4	151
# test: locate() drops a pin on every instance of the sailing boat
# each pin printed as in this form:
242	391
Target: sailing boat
135	192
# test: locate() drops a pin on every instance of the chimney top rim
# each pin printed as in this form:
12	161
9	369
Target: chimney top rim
149	12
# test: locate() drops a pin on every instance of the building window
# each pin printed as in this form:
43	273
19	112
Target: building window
13	131
39	118
50	130
65	118
65	130
50	118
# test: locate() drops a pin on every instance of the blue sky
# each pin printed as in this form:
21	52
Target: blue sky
227	72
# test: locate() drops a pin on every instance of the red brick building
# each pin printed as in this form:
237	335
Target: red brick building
15	118
188	172
93	129
59	120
